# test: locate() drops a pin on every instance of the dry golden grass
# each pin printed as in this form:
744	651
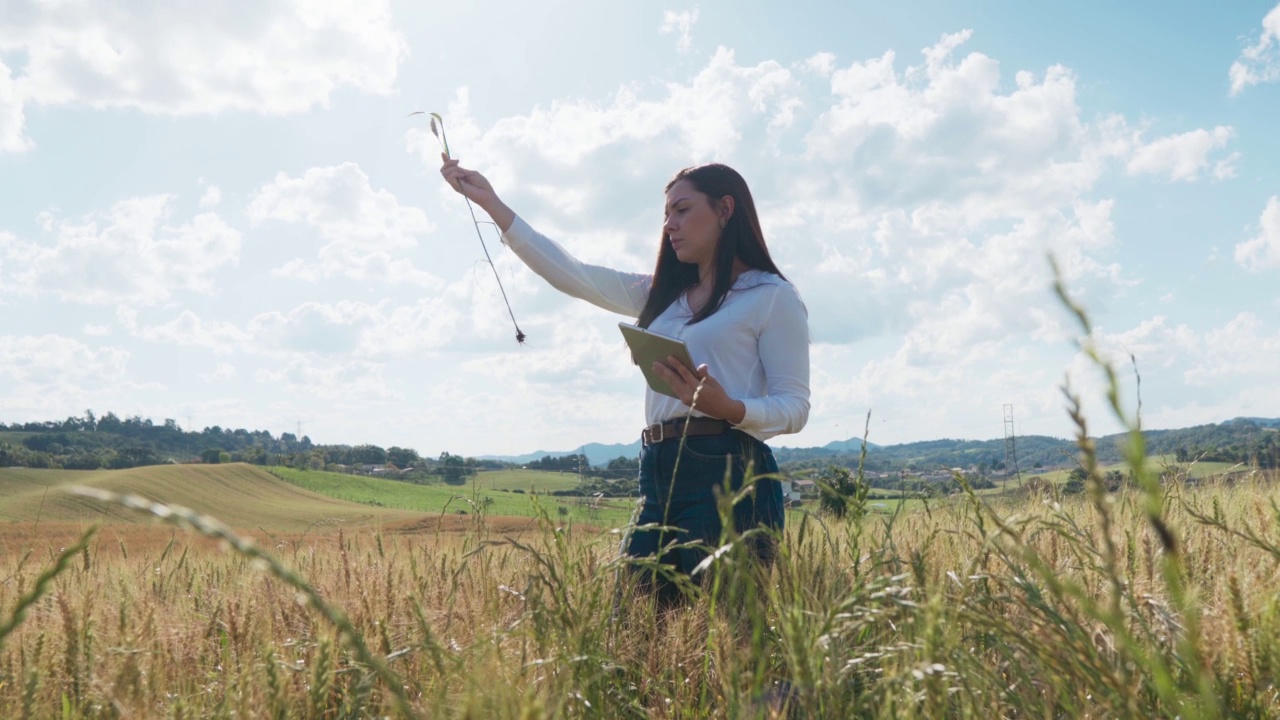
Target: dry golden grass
962	610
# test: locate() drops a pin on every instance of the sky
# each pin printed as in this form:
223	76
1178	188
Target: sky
223	213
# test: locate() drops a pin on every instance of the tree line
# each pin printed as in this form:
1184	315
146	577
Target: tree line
109	441
91	442
1250	441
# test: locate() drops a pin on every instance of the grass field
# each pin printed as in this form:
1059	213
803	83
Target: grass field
527	480
287	500
1198	470
1016	608
1157	601
463	499
240	495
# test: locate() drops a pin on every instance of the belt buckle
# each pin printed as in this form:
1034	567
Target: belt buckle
661	434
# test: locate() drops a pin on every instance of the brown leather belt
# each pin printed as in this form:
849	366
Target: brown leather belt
680	427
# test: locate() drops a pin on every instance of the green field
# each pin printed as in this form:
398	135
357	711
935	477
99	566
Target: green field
527	480
465	498
284	499
1199	470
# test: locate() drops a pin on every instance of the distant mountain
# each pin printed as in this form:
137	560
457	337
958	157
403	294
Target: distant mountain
1032	450
597	453
929	454
1260	422
600	454
851	445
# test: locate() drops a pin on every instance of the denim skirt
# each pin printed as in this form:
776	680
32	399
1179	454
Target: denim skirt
679	488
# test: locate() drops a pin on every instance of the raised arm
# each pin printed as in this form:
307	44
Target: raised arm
620	292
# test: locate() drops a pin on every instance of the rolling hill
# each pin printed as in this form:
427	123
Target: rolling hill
240	495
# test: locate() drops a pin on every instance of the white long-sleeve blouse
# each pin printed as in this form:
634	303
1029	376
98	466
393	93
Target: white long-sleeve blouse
756	344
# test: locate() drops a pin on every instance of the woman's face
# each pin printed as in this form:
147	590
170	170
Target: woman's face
692	224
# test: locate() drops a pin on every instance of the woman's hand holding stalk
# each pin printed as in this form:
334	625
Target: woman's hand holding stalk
476	188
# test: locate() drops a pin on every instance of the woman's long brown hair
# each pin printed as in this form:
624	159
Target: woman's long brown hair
741	238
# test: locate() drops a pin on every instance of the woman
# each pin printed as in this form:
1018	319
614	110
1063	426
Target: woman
716	288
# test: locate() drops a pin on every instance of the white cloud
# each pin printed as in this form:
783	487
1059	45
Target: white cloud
466	316
211	198
12	116
129	254
1184	156
975	295
272	57
682	23
360	226
49	376
1153	342
353	382
1243	349
936	195
188	330
1227	167
706	117
52	359
1263	252
223	371
1260	62
440	321
823	63
318	328
1188	376
945	131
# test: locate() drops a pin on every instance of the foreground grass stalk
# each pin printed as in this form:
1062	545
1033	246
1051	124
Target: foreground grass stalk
1173	569
210	527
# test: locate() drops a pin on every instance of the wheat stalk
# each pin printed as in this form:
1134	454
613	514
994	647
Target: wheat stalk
213	528
60	564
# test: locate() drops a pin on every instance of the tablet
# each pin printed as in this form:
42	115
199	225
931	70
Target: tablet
649	347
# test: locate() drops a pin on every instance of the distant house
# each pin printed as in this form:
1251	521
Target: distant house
787	492
794	490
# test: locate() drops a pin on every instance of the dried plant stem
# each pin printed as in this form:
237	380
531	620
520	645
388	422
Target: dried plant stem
437	129
520	336
1152	498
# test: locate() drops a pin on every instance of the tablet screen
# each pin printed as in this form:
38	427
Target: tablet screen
650	347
